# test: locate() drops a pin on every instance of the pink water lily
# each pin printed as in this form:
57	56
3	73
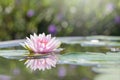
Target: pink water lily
43	63
41	43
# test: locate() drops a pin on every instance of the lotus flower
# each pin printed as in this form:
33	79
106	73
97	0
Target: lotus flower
41	44
43	63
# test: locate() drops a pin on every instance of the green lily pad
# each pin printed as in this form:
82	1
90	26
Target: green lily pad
80	58
89	58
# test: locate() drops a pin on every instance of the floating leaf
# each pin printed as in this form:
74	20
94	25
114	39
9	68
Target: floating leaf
80	58
13	54
89	58
110	38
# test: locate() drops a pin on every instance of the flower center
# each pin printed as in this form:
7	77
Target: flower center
42	41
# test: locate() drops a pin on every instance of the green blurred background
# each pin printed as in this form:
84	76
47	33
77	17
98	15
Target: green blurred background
19	18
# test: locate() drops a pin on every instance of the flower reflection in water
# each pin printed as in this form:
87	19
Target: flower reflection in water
42	45
42	63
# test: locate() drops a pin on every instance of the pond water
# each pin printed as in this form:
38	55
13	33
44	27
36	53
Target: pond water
82	58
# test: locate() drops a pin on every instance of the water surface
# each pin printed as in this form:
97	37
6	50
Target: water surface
83	58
